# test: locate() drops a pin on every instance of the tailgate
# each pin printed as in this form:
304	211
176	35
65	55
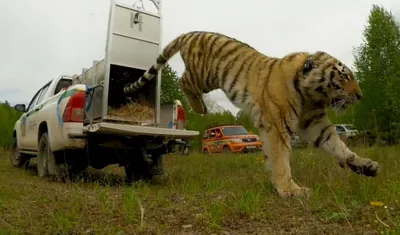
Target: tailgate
133	130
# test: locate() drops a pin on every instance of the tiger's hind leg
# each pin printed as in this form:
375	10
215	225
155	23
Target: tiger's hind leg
195	98
321	132
276	147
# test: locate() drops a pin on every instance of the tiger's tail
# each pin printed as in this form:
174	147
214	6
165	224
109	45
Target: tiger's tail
170	50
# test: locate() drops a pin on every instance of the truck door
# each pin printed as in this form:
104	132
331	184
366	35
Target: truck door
32	122
25	119
212	141
218	141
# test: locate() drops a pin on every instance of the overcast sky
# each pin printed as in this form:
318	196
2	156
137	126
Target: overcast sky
43	39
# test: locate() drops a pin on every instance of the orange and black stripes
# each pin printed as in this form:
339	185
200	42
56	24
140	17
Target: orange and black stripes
252	80
209	59
324	135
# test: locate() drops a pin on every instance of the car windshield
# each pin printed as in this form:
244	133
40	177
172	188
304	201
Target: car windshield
235	130
350	127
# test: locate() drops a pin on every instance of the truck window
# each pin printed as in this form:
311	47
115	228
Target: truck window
339	129
349	127
218	132
34	100
44	90
63	83
205	135
234	130
212	133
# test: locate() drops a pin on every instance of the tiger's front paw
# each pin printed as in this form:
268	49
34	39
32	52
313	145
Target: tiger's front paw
362	166
370	168
293	190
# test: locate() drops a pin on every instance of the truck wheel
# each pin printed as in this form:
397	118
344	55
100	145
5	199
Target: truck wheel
184	150
47	164
44	153
145	166
18	159
135	172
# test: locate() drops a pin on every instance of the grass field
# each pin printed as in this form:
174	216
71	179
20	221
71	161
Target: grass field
224	194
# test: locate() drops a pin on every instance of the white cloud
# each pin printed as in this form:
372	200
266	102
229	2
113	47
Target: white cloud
42	39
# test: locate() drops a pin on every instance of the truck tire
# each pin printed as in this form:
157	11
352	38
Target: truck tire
184	150
44	154
18	159
47	162
144	167
135	172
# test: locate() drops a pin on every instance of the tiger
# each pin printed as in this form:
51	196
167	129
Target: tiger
283	96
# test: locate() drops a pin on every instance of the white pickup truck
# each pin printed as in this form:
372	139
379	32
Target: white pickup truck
52	128
68	125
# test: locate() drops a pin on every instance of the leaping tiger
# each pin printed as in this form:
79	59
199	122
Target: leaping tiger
282	95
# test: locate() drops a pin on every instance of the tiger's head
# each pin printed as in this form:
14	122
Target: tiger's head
328	80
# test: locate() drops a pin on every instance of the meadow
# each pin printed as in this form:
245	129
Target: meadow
198	194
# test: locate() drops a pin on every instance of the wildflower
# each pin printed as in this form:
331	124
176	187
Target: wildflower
376	203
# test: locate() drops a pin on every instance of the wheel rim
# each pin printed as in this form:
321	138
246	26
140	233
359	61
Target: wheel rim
227	150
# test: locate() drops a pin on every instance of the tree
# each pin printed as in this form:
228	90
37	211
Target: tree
245	120
377	68
6	103
170	89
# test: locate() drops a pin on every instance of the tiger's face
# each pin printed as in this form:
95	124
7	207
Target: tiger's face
327	79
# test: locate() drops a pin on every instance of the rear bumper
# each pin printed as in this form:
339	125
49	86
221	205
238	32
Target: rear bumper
73	137
133	130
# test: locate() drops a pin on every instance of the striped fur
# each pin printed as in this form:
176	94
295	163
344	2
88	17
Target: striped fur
282	95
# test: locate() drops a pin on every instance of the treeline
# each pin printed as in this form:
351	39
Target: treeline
377	68
8	117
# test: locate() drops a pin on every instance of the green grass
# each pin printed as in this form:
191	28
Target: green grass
221	194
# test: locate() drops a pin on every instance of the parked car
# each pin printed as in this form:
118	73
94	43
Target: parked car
230	138
346	130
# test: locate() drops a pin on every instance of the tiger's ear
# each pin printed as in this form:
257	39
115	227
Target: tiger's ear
308	66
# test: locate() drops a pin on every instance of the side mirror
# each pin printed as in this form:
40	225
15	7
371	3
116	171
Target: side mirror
20	108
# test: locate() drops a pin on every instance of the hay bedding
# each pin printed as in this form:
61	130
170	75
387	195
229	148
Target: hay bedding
134	111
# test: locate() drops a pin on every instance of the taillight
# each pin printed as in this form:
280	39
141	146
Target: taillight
74	110
180	118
